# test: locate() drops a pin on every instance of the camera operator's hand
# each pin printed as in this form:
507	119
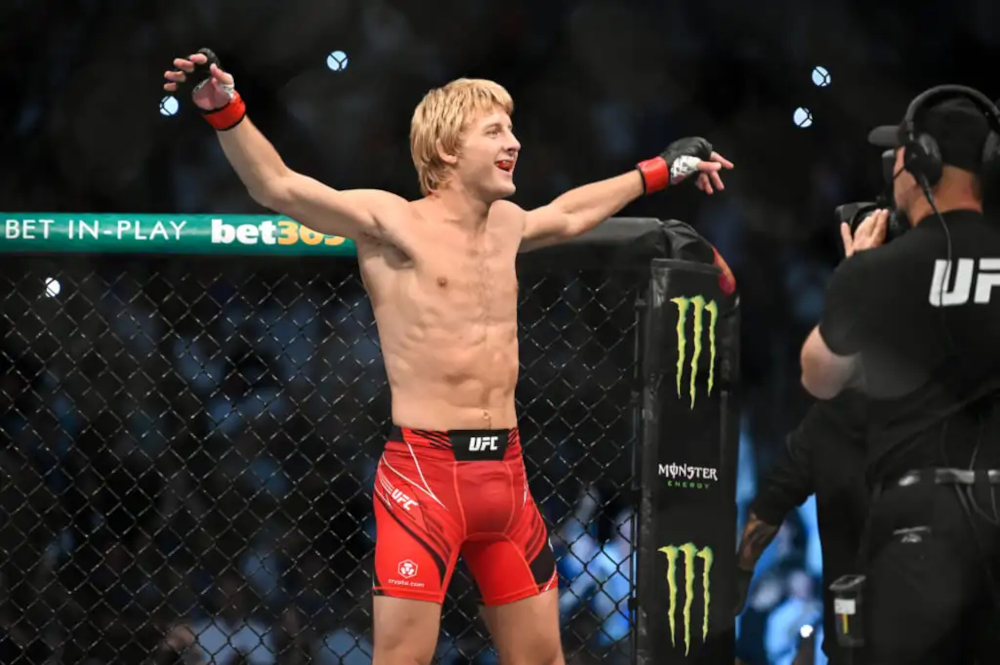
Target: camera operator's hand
870	233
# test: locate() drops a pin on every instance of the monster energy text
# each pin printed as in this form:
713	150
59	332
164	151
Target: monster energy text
700	306
690	552
687	476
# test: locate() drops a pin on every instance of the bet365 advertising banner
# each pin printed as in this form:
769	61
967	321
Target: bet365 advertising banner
124	233
687	513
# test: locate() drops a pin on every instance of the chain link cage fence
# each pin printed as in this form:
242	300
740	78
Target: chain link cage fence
188	449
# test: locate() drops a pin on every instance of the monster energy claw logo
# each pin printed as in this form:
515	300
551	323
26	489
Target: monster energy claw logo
690	552
700	306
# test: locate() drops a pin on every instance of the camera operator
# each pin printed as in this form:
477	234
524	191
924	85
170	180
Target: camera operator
915	324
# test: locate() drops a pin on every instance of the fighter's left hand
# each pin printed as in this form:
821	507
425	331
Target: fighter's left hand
684	158
869	234
694	154
709	179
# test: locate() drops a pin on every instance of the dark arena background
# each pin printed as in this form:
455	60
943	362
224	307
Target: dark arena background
188	438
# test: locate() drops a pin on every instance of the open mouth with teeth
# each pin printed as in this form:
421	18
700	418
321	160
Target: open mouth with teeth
506	165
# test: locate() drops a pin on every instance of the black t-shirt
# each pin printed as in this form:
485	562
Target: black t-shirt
930	347
825	456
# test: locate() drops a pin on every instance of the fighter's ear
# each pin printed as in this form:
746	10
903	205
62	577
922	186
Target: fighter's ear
445	156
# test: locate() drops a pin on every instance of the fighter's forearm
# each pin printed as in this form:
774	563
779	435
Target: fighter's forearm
589	205
254	159
757	535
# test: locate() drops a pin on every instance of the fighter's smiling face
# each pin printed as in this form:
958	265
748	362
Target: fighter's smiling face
488	155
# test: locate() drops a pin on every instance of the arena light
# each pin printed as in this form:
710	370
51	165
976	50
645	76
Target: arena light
803	117
52	287
337	61
169	106
821	76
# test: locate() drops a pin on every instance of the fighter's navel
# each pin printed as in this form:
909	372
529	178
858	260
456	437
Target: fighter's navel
442	282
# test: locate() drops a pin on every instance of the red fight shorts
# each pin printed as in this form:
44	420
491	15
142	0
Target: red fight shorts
441	494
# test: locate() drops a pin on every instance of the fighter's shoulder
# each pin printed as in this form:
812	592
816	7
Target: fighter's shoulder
393	205
508	211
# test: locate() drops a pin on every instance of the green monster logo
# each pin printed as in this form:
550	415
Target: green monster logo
700	306
690	552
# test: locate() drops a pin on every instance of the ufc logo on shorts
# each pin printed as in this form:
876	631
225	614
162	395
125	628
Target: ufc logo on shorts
985	276
397	495
479	444
485	445
400	497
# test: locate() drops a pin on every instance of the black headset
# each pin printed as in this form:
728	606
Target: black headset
922	156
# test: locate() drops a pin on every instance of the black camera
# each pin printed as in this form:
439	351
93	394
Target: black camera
857	212
854	213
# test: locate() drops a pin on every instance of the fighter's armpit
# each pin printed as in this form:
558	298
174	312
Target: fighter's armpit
353	213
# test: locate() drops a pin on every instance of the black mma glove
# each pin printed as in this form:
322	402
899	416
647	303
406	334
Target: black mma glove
675	164
229	114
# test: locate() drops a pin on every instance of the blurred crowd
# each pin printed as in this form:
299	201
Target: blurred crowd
190	448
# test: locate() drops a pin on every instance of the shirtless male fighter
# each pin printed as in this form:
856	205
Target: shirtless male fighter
440	275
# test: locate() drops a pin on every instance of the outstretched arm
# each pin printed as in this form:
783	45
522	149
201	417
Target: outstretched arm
581	209
353	214
269	181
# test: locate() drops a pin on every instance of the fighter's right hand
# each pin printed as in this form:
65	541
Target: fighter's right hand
212	89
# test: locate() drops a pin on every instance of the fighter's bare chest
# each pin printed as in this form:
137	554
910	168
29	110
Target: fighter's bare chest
481	275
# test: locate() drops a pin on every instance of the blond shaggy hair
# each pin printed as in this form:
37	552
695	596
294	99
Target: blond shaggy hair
442	115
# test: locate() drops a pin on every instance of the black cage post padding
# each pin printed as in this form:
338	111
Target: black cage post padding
687	507
187	450
627	244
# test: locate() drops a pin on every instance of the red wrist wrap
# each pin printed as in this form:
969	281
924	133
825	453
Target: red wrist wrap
655	174
229	115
